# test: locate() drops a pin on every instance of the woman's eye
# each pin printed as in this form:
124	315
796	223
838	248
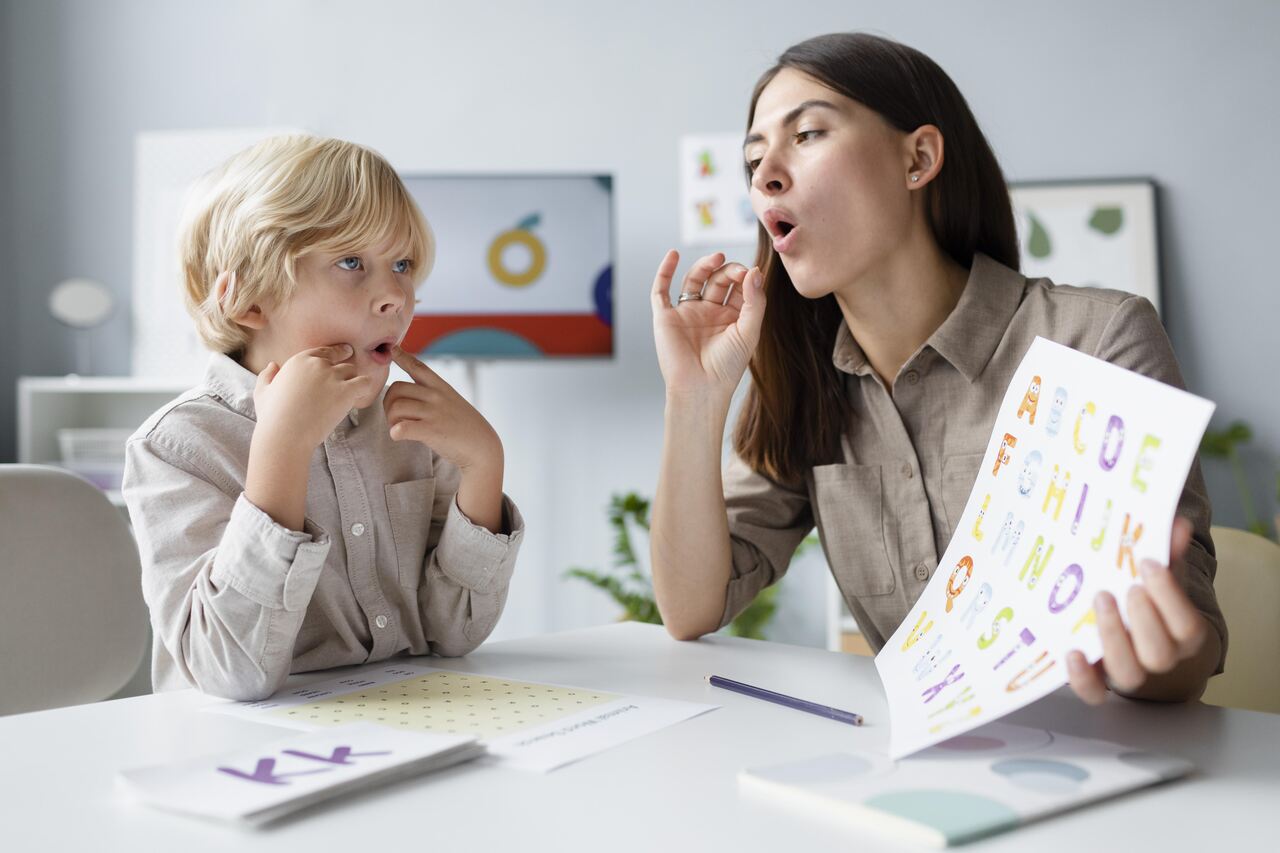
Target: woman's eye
806	135
403	265
752	165
352	263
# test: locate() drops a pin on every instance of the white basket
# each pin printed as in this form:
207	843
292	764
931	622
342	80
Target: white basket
92	446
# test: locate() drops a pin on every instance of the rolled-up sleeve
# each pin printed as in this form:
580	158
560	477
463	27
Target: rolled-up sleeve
1136	340
467	576
227	587
767	522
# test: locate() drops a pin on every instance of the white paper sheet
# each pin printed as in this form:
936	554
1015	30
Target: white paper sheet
532	726
260	783
1079	485
715	209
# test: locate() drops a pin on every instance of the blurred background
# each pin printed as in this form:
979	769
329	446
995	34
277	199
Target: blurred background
1178	93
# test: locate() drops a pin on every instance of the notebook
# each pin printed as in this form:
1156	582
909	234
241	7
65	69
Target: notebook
987	781
260	784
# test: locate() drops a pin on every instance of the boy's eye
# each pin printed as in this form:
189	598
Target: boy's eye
403	265
352	263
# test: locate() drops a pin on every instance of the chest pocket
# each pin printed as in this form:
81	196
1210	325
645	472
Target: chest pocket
958	476
849	509
409	507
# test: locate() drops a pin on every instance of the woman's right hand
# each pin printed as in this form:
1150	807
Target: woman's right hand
706	344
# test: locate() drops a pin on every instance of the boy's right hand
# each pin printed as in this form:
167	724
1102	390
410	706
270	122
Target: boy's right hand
301	402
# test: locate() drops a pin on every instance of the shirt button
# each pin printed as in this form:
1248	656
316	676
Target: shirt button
357	529
381	621
906	470
912	377
922	573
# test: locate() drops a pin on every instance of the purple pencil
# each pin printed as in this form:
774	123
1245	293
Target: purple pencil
789	701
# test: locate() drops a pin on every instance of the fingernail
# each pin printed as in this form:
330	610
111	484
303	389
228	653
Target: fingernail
1152	568
1104	602
756	278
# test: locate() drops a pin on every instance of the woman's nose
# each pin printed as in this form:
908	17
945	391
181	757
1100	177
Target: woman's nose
769	177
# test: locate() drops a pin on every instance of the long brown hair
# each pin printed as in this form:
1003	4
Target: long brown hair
796	409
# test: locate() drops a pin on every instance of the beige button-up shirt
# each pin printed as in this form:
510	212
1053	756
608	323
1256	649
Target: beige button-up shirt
886	514
386	564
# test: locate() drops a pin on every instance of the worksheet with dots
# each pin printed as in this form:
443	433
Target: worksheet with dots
448	702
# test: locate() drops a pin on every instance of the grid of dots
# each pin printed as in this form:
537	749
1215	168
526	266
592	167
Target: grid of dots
451	702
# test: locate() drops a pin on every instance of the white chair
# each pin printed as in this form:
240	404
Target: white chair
73	625
1248	588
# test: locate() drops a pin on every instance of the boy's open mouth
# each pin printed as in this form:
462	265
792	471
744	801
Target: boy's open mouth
381	351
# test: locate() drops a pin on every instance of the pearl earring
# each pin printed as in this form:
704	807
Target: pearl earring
915	179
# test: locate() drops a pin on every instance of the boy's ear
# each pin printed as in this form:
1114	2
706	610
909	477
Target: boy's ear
252	317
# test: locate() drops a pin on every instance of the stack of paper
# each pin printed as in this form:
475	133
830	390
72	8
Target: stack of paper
257	785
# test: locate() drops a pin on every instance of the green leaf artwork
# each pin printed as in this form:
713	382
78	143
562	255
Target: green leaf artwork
1039	245
1107	220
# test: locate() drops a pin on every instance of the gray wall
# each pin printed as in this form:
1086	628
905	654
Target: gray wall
1182	92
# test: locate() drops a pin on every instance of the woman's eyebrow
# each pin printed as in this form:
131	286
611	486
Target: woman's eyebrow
789	118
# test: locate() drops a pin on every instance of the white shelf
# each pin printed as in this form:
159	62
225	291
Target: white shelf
48	404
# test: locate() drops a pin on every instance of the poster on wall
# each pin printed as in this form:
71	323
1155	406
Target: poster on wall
715	209
1082	475
166	165
523	269
1090	234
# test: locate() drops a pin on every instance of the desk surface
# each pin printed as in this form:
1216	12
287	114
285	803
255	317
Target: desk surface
675	790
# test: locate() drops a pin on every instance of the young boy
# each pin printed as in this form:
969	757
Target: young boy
285	522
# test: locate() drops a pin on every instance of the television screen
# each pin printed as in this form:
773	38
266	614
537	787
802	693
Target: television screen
523	269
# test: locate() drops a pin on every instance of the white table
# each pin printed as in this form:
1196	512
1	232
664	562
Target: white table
674	790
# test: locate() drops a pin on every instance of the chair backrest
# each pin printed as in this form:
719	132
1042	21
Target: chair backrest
1248	588
73	625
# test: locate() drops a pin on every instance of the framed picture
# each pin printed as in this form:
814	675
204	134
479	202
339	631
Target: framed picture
1090	233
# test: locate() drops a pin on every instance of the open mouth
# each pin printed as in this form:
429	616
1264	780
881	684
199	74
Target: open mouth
781	226
381	352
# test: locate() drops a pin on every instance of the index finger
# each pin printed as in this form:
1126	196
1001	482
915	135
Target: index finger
411	365
336	353
661	293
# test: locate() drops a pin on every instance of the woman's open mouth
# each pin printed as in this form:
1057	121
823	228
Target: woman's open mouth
781	227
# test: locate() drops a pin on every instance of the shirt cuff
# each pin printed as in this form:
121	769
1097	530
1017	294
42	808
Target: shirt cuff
269	564
474	558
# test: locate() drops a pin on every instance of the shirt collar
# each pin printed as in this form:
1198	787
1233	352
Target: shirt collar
972	331
233	383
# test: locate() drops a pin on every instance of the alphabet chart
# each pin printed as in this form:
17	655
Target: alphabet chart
523	724
1082	476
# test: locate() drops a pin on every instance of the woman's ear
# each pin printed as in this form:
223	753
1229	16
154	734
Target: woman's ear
224	288
924	155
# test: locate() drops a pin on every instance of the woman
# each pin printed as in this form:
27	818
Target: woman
895	318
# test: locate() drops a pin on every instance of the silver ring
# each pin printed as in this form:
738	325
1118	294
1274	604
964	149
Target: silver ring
686	297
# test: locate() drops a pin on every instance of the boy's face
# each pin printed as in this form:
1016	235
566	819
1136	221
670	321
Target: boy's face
364	299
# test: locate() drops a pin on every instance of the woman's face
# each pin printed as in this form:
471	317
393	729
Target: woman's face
828	182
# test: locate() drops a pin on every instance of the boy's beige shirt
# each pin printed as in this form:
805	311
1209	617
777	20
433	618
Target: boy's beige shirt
886	512
386	564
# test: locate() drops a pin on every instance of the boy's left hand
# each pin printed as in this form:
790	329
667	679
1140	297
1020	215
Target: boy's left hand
430	411
1165	638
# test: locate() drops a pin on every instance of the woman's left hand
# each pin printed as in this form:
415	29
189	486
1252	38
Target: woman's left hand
1166	637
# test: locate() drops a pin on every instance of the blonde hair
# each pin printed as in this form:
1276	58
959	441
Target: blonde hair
254	216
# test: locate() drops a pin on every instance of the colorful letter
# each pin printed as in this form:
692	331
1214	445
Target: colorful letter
1073	571
1096	544
1030	400
917	632
952	677
1143	462
1017	682
1055	412
1030	473
965	564
977	605
1127	541
1057	490
1027	639
1115	427
1084	493
1038	557
1089	409
1005	615
1002	455
977	523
